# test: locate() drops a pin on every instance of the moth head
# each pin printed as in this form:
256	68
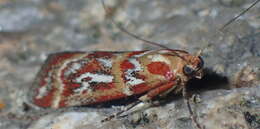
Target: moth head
189	65
194	66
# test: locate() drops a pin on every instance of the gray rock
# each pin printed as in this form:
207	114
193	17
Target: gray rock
219	109
20	18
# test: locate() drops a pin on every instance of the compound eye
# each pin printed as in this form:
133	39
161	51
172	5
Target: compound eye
188	70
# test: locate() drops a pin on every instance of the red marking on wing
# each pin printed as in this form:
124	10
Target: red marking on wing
125	65
141	88
160	68
110	97
141	76
91	66
160	89
104	86
53	60
59	57
69	88
51	63
45	101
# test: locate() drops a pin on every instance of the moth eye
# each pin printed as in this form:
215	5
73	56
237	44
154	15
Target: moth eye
188	70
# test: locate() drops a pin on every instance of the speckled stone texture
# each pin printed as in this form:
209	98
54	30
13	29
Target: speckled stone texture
229	94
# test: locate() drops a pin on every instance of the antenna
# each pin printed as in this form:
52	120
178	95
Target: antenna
239	15
121	28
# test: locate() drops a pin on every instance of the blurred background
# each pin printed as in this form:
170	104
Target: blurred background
32	29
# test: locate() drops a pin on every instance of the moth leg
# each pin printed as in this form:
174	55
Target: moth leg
129	106
146	99
193	117
167	92
157	91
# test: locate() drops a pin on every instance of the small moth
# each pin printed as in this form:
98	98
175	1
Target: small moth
83	78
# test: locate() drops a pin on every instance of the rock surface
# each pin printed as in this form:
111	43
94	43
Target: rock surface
229	92
219	109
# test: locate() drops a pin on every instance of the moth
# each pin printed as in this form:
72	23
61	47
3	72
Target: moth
82	78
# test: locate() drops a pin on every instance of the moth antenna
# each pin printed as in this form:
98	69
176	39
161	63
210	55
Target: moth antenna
201	51
121	28
239	15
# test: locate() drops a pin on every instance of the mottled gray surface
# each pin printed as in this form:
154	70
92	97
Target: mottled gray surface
219	109
31	29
